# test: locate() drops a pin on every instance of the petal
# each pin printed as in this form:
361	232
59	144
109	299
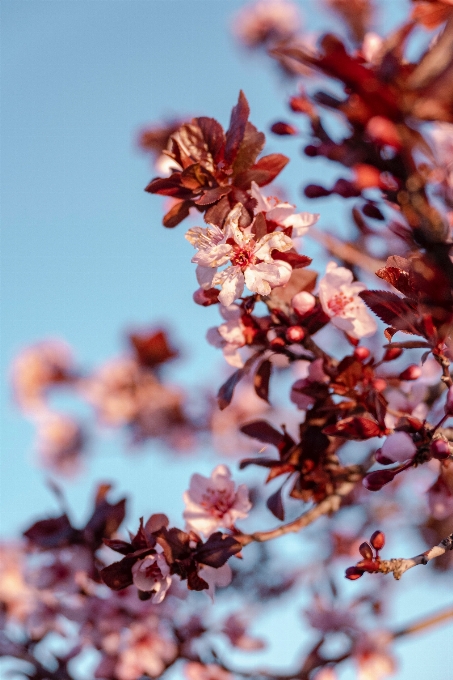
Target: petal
204	276
213	257
269	242
263	204
232	282
300	222
284	272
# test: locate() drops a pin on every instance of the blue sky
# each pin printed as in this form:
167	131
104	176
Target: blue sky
84	255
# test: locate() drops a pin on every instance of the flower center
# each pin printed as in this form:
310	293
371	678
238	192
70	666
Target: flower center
338	302
216	501
153	573
243	257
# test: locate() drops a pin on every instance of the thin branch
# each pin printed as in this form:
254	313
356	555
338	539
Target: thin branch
433	620
400	565
346	251
329	505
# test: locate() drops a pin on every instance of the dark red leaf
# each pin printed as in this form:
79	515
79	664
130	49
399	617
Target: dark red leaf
261	380
399	279
275	505
176	214
393	310
263	172
156	522
261	462
175	544
104	521
212	195
213	135
249	150
152	349
119	574
195	582
226	392
119	546
218	212
51	533
169	186
263	431
235	133
294	259
355	427
217	550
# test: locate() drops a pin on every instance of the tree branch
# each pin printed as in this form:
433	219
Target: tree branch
398	566
433	620
346	251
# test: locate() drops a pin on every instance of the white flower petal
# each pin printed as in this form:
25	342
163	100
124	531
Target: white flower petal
232	282
205	276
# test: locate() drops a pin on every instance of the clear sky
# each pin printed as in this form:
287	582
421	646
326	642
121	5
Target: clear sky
84	255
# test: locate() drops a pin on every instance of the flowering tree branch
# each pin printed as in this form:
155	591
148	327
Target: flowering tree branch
398	566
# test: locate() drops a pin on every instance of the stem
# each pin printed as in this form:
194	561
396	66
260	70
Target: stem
433	620
398	566
346	251
329	505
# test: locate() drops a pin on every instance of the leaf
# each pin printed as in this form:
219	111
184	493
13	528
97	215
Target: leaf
119	574
263	431
218	212
249	150
156	522
193	145
261	462
176	214
261	380
275	504
175	544
226	392
399	279
213	135
393	310
51	533
294	259
152	349
235	133
195	582
212	195
355	427
217	550
263	172
119	546
169	186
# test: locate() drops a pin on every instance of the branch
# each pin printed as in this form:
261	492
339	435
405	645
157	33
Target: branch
346	251
432	620
329	505
400	565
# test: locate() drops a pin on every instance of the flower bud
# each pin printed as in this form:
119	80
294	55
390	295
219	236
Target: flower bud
277	343
353	573
316	191
368	565
392	353
303	302
311	150
282	128
370	210
374	481
295	334
412	372
361	353
377	540
345	188
440	449
205	298
365	551
449	402
379	384
381	459
398	447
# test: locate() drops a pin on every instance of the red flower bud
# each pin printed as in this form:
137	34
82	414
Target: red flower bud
368	565
346	189
362	353
282	128
353	573
277	343
377	540
365	551
440	449
295	334
379	384
311	150
372	211
316	191
376	480
392	353
381	459
412	372
206	297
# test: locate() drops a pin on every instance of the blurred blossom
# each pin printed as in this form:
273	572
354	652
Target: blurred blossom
373	656
371	47
16	596
198	671
60	442
214	502
398	447
259	23
229	335
144	651
328	619
219	578
340	300
152	573
37	368
236	631
440	499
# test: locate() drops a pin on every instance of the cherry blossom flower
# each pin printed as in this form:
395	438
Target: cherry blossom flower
236	630
266	20
38	367
251	262
440	499
398	447
339	299
220	577
152	573
145	652
282	213
328	619
303	302
60	442
198	671
371	653
229	335
214	502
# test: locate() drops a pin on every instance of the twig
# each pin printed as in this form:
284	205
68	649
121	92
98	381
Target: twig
346	251
433	620
399	566
329	505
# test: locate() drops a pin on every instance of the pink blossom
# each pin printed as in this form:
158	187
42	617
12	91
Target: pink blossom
328	619
152	573
303	302
251	262
60	442
38	367
219	578
372	47
326	673
236	630
316	374
398	447
372	655
144	652
198	671
283	214
340	300
440	499
214	502
229	335
265	20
